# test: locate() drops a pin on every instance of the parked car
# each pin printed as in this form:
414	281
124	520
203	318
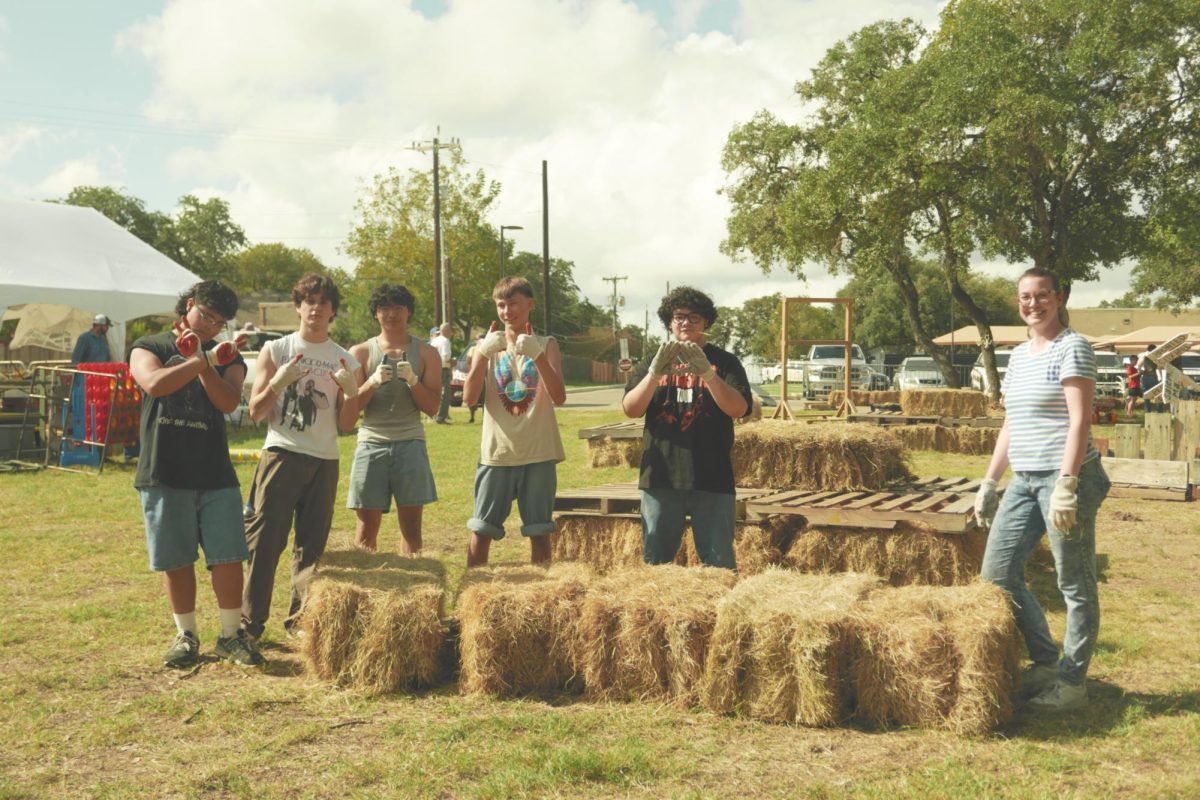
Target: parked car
919	372
773	373
458	376
979	380
825	370
879	380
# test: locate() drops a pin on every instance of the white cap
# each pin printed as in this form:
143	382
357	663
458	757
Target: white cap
100	319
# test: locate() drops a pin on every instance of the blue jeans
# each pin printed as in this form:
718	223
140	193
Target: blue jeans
712	515
1019	524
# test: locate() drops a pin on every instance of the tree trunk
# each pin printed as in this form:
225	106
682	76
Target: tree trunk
898	269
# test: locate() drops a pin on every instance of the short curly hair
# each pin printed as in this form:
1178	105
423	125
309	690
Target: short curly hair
694	300
211	294
315	284
392	294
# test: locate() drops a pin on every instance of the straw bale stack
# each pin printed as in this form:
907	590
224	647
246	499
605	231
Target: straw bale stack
860	398
603	543
936	657
331	622
968	440
918	437
518	628
943	403
605	451
781	647
756	545
832	455
644	631
908	554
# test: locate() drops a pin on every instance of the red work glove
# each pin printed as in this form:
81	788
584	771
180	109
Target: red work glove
187	342
225	352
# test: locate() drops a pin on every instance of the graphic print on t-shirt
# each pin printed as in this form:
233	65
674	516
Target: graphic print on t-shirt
516	382
303	399
684	398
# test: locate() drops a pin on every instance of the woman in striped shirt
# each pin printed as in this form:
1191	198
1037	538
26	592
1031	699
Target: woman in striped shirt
1056	488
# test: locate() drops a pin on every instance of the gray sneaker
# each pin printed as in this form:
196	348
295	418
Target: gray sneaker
239	650
1037	678
184	652
1060	697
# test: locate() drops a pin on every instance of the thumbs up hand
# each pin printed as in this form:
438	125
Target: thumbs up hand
527	344
494	342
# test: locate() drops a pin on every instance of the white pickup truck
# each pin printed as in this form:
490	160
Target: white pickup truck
824	370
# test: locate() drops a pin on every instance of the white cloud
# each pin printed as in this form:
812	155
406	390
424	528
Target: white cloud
14	139
72	173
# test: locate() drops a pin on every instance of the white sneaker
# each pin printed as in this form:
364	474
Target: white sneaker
1060	697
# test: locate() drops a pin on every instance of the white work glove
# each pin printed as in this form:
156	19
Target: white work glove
226	352
382	374
345	379
1064	504
527	344
694	355
986	502
494	342
404	372
664	358
286	375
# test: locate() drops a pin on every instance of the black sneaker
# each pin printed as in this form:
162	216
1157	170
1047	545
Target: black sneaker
239	650
184	652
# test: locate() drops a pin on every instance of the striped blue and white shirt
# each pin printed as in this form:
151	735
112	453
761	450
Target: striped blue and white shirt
1036	405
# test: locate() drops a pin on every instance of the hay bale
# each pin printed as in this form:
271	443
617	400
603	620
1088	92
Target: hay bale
605	451
918	437
644	631
756	545
943	403
518	627
908	554
863	399
968	440
401	636
780	648
603	543
331	622
829	455
936	657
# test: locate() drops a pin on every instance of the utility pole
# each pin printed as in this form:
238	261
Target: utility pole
439	285
545	249
614	279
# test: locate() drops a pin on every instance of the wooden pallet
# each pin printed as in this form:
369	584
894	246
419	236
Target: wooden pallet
1149	479
945	504
615	430
891	418
625	500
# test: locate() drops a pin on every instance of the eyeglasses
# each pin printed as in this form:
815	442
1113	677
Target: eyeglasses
694	319
209	319
1038	299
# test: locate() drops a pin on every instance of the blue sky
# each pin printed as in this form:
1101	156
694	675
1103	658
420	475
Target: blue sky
285	109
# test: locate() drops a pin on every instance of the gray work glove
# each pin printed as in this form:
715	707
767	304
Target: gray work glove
694	355
382	374
986	502
404	372
664	358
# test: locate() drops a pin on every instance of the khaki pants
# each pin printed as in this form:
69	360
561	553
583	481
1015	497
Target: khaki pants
287	486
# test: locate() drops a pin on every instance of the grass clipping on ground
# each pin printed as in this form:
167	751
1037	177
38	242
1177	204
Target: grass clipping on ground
518	627
822	456
374	622
908	554
943	403
644	632
936	657
781	647
605	451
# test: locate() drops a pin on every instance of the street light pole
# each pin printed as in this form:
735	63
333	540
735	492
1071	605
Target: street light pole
504	228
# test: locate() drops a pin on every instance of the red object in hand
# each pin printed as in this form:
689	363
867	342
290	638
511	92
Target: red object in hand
226	352
186	341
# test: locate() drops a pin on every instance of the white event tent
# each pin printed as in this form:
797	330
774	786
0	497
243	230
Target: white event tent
75	256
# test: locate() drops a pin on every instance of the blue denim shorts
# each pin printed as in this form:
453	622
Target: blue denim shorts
386	471
181	521
533	486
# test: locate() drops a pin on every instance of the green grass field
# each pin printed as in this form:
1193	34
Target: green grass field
86	710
